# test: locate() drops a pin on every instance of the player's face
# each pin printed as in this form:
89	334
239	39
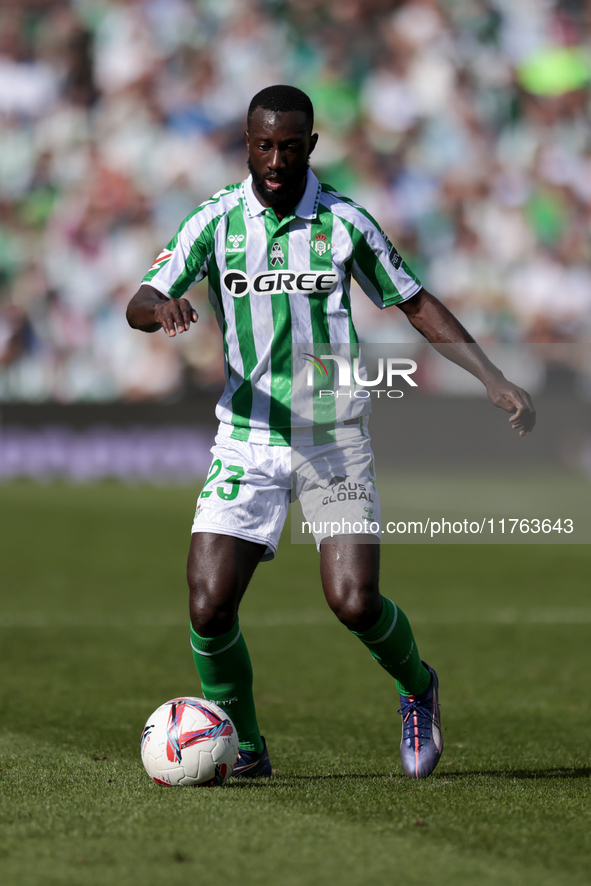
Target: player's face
279	145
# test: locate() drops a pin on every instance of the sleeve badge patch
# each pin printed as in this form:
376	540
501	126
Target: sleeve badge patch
162	259
395	257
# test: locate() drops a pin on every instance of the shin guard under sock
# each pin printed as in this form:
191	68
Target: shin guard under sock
392	644
225	669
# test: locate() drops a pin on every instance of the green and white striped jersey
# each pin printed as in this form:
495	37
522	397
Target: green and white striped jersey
274	284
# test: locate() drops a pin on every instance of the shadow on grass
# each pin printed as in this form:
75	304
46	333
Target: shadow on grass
278	777
507	774
555	772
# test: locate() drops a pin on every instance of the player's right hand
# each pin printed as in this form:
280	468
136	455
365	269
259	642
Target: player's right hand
514	400
175	315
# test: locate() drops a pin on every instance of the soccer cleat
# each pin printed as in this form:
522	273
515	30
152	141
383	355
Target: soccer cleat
252	765
422	739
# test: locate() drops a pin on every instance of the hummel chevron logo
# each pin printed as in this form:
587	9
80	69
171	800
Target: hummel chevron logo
235	240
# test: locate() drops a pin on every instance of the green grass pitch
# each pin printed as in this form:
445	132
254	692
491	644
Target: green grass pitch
94	636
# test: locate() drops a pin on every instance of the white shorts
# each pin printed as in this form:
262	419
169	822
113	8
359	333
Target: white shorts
250	485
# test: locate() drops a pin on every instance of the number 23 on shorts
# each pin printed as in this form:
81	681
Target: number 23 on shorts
233	475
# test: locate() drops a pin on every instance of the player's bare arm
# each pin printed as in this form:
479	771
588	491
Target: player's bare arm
149	310
439	326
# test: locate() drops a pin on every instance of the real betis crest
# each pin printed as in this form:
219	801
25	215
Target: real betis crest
320	244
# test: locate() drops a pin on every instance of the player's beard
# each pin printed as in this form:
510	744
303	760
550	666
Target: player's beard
285	200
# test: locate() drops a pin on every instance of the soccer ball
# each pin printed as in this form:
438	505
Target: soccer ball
189	741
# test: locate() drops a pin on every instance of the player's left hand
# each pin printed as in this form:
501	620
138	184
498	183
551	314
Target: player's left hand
513	399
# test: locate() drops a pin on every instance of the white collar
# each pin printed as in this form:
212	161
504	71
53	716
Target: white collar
306	208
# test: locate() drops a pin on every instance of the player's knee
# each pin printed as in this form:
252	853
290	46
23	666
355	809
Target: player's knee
357	608
212	611
210	619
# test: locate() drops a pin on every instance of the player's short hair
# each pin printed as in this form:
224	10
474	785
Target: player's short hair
280	99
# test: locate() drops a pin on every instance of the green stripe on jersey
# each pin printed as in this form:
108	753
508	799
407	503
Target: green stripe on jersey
371	266
197	257
410	273
172	244
242	398
321	239
350	202
281	356
216	293
347	294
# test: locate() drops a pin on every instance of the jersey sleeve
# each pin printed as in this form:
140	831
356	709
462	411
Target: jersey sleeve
378	267
185	260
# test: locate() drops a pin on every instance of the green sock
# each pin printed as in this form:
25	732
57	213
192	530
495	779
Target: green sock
392	644
225	670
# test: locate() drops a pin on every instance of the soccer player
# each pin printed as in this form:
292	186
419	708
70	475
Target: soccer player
279	250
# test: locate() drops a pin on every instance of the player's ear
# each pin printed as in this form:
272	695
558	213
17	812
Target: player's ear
313	140
246	136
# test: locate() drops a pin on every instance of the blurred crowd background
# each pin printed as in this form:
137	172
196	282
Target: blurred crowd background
461	125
